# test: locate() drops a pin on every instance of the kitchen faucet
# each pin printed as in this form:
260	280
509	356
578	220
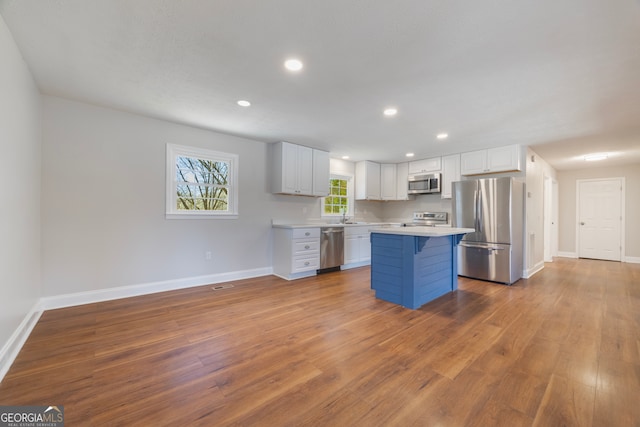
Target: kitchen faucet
344	218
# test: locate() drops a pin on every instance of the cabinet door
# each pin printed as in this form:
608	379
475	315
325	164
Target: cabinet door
450	174
320	173
305	170
364	243
373	180
503	159
367	180
289	168
402	181
388	179
473	162
351	249
425	165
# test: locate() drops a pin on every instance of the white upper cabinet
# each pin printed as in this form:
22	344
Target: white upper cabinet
321	173
402	181
367	180
450	174
425	165
504	159
473	162
293	169
500	159
388	179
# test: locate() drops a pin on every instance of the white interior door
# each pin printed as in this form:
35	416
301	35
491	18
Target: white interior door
600	219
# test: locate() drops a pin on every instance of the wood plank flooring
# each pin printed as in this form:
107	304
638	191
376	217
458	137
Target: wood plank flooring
559	349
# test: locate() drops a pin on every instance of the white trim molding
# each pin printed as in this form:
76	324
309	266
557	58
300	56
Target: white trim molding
526	274
89	297
632	259
13	346
567	254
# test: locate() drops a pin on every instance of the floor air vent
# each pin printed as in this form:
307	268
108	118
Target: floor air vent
220	287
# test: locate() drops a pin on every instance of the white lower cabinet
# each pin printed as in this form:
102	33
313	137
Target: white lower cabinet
296	252
357	246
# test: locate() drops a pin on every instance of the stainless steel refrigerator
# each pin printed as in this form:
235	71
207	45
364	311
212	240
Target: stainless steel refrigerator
494	207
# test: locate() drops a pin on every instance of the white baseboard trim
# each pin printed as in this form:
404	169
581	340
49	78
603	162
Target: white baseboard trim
632	259
355	265
533	270
13	346
567	254
89	297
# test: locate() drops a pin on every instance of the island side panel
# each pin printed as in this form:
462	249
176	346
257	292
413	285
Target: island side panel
413	270
387	266
433	274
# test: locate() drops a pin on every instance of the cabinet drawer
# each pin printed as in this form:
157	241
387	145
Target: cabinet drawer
355	231
305	246
306	263
301	233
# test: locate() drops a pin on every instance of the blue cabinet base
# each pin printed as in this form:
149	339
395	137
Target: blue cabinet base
413	270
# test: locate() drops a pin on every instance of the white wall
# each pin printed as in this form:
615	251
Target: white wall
567	215
536	171
104	221
20	143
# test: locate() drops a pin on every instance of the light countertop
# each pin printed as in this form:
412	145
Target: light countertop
319	224
422	231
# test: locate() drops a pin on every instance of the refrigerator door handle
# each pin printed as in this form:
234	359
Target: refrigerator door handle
479	213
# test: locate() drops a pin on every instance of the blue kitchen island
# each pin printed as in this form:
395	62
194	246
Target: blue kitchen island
411	266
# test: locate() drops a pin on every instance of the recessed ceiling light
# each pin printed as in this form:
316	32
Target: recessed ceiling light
293	64
345	157
390	111
442	135
244	103
596	156
409	154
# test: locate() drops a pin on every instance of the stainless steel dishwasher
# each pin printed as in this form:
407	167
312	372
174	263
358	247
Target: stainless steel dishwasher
331	248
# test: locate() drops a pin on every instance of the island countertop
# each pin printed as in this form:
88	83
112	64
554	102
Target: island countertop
422	231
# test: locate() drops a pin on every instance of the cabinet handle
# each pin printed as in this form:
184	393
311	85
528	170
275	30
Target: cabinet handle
307	233
306	263
306	247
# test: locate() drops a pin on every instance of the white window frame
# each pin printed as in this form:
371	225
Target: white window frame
173	152
350	197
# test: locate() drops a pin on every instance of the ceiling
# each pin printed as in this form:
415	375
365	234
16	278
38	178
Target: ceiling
560	76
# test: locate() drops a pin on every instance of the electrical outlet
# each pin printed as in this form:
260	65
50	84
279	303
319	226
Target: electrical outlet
207	255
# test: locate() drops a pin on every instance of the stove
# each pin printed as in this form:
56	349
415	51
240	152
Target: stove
428	219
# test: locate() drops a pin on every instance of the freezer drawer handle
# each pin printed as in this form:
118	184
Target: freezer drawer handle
470	245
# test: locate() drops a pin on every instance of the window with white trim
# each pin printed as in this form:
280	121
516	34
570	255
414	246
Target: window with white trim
340	198
201	183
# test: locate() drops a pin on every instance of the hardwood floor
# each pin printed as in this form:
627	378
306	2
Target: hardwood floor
559	349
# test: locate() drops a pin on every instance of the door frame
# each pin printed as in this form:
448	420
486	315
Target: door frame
621	180
550	218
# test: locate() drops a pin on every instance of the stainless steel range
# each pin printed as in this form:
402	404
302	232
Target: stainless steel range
428	219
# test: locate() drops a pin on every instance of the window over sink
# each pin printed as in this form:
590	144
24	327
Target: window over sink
340	199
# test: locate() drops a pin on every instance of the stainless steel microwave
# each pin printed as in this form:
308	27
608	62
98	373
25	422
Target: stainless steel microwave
424	183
